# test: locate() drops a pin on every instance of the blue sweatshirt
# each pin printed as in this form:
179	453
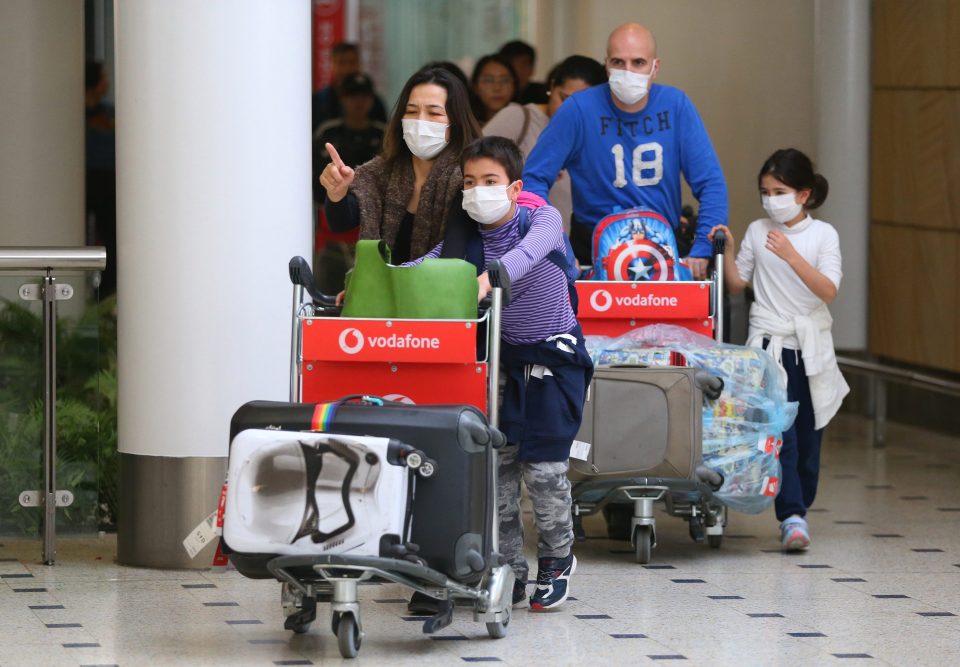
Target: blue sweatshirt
619	160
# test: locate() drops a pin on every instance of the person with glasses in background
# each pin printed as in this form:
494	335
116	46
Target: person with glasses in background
494	86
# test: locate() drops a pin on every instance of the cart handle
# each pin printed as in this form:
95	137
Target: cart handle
719	242
500	278
300	274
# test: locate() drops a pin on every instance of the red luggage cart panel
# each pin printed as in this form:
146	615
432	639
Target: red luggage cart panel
416	341
614	308
422	384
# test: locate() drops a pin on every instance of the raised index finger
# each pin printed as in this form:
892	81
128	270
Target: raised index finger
334	155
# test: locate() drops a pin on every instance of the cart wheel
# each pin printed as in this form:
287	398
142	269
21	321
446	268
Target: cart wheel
643	543
301	629
715	541
619	518
498	630
348	636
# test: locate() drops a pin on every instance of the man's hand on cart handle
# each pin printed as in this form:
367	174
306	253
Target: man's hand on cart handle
336	176
483	282
698	265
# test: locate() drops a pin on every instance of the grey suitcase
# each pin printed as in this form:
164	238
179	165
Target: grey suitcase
642	422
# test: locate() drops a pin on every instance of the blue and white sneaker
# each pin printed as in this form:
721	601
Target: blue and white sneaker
553	582
794	534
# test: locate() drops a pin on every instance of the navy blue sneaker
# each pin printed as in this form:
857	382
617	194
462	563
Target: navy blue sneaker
519	592
553	582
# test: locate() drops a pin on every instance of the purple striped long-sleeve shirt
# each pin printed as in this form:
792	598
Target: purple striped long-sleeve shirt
540	305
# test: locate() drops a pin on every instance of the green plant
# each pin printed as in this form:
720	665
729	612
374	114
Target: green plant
86	416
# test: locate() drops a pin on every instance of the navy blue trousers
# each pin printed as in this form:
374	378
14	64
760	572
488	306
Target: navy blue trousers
800	454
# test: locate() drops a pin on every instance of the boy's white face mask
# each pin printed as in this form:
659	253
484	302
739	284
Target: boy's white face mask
424	138
487	204
781	208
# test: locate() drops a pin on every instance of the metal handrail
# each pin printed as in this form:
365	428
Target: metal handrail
47	260
32	258
879	375
903	375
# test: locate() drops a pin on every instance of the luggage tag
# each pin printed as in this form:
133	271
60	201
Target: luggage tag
580	450
201	536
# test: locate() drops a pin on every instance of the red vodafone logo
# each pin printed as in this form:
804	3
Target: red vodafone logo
351	340
601	300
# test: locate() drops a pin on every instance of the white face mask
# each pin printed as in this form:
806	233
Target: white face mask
630	87
487	204
781	208
424	138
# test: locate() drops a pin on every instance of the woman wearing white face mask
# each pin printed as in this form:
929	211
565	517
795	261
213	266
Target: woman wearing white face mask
403	196
793	262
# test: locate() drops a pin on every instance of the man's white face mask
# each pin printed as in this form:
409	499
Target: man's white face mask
630	87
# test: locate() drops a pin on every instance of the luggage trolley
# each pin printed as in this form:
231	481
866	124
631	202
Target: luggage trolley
613	308
408	361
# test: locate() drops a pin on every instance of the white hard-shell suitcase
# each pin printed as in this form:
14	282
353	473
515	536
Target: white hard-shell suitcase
297	493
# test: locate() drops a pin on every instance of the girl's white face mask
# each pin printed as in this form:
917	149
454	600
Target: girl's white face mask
424	138
487	204
781	208
630	87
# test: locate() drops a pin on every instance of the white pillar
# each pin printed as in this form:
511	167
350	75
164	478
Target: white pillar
842	90
41	133
214	197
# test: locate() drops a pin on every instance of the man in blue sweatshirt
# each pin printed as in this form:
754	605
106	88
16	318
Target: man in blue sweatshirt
625	144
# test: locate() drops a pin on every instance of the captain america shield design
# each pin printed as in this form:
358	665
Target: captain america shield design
640	260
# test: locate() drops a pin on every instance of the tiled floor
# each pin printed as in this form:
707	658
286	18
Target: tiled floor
881	585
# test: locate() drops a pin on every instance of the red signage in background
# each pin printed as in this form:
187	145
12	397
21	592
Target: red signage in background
329	27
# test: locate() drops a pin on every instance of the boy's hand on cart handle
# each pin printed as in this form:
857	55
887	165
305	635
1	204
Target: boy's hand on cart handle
779	245
336	176
698	265
340	298
483	283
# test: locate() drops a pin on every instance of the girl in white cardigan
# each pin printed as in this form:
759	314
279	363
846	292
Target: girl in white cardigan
793	262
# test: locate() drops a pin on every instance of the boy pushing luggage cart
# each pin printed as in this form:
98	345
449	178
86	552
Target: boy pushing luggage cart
546	366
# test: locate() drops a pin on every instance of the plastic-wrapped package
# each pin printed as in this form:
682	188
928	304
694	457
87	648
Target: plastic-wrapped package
743	428
595	345
651	356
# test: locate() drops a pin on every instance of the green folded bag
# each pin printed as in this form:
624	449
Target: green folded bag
435	289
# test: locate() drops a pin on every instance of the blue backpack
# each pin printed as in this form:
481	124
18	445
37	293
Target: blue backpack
562	259
635	245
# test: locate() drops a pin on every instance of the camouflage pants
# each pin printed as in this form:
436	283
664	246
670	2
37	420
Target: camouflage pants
549	491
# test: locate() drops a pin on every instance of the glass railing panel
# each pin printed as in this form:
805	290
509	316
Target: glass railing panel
85	409
21	406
